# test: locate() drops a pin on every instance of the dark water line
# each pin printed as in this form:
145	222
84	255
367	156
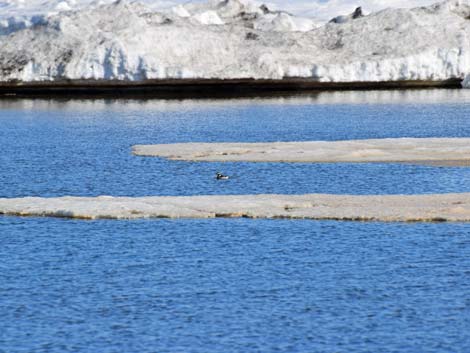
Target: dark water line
203	88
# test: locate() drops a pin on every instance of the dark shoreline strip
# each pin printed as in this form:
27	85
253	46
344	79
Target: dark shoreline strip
201	87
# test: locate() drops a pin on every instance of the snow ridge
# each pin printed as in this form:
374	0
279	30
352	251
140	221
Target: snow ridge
235	39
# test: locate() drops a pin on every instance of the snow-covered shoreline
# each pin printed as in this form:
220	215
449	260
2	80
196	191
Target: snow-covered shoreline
385	208
223	40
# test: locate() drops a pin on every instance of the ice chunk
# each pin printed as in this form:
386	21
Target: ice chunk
466	82
181	11
208	18
63	6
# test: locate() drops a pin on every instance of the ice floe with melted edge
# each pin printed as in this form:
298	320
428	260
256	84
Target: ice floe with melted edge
391	208
417	150
231	39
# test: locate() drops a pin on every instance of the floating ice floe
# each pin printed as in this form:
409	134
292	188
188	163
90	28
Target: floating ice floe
397	208
445	151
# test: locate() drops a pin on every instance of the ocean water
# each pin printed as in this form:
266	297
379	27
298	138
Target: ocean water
228	285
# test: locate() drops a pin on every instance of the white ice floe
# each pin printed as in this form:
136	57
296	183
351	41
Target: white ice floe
233	39
446	207
416	150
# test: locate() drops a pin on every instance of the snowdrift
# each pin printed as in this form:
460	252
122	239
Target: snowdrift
128	42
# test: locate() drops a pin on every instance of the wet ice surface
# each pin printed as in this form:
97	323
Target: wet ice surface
427	150
391	208
228	285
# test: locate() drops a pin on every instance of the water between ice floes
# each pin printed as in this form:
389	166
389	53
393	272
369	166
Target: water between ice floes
228	285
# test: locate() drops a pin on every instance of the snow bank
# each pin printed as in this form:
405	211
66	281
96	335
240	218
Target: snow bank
235	39
450	207
417	150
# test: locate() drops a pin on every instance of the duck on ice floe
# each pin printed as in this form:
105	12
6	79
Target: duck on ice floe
220	176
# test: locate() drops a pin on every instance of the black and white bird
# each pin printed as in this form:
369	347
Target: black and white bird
220	176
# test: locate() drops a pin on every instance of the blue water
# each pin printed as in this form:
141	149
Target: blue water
228	285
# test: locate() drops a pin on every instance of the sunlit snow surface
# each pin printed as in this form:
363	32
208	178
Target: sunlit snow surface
234	39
